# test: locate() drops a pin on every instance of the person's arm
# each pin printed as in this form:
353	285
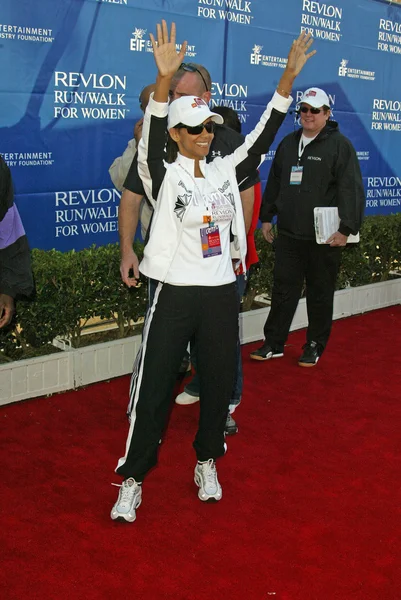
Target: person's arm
15	260
247	199
16	277
225	141
350	195
151	155
258	142
167	59
138	130
118	171
6	309
268	208
252	180
128	217
133	182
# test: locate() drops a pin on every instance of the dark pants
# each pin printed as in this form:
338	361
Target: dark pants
177	314
192	388
297	261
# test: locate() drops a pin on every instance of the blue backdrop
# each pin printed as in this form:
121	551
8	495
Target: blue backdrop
71	72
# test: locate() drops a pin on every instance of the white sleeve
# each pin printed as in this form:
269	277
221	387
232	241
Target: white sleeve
118	171
258	141
151	165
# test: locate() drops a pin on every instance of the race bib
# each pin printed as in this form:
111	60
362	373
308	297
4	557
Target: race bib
210	240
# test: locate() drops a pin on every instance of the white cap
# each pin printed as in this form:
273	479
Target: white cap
315	97
190	110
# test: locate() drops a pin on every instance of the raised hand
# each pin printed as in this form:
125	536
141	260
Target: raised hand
298	54
167	59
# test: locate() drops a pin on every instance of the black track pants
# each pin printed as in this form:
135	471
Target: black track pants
178	313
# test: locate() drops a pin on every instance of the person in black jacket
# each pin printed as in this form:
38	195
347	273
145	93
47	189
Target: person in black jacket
315	166
15	263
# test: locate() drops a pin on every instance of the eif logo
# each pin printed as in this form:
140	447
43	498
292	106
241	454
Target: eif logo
342	70
256	56
137	43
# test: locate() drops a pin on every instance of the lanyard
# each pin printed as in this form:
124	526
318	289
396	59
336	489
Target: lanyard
200	194
301	148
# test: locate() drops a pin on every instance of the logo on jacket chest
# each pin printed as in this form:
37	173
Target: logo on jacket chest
220	203
182	201
181	205
221	206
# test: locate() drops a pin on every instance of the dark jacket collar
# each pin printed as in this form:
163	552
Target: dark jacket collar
331	127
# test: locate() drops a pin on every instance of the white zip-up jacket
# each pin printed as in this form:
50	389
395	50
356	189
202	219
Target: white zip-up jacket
164	182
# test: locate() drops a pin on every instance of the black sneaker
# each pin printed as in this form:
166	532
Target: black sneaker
265	352
231	427
311	354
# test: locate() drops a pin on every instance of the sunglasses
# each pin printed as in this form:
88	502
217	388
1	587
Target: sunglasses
306	109
191	68
210	127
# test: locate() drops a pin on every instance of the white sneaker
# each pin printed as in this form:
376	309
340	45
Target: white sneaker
206	479
129	498
185	398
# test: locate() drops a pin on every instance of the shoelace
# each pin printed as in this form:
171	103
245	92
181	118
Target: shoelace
126	491
209	471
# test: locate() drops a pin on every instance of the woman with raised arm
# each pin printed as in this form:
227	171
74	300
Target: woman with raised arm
197	210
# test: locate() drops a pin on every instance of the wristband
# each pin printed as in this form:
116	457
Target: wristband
284	91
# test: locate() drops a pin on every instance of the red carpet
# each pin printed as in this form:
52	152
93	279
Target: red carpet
311	506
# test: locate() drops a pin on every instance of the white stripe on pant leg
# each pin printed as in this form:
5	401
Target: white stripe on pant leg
135	388
134	377
137	362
